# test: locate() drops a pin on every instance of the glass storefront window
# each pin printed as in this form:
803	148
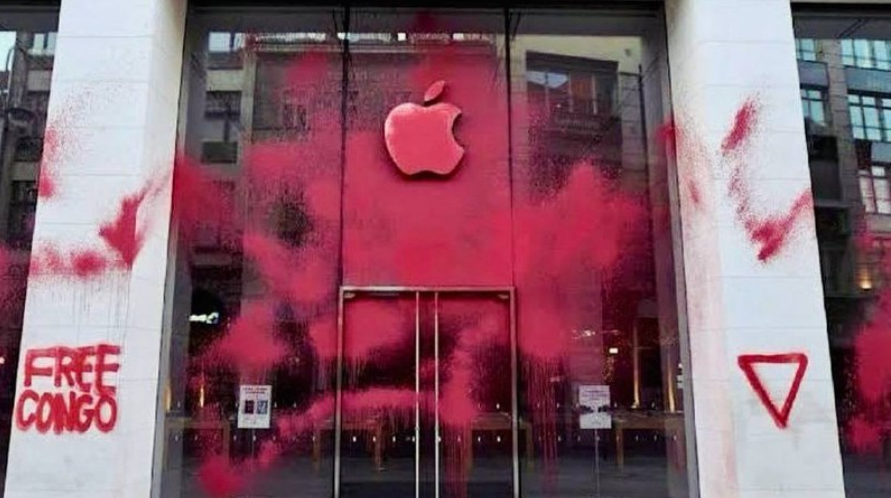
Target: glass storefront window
27	41
424	253
851	232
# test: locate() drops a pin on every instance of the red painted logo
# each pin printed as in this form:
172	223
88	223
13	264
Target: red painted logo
747	363
420	138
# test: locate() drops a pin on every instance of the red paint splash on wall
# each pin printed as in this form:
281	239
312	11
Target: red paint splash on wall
769	233
52	145
80	264
744	123
122	234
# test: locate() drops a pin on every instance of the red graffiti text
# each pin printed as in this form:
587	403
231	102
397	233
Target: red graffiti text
79	398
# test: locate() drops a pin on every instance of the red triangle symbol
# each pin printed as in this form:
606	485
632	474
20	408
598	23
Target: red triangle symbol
747	362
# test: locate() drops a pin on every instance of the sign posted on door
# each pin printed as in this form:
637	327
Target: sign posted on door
254	407
593	401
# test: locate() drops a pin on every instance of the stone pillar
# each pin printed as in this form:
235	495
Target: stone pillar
95	279
750	256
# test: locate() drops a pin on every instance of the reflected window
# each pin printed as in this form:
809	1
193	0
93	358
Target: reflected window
870	116
813	106
222	127
22	207
571	85
223	42
866	54
874	188
43	44
806	49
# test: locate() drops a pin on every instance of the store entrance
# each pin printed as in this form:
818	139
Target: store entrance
427	402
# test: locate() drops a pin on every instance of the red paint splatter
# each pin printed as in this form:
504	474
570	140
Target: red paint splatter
744	124
122	234
219	478
864	435
82	264
773	232
250	343
382	324
769	233
88	263
203	203
52	146
46	185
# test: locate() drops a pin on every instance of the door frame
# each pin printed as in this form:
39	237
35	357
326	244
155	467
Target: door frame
348	291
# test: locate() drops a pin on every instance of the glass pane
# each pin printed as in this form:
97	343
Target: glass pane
387	390
476	453
866	193
862	53
856	116
817	112
251	384
881	189
871	117
219	42
599	389
847	48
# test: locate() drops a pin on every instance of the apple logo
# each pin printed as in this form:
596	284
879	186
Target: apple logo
420	138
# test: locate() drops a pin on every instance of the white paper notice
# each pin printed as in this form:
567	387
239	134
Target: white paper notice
254	407
594	400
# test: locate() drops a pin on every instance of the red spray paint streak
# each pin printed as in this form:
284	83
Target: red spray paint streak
771	233
59	138
46	182
122	234
683	142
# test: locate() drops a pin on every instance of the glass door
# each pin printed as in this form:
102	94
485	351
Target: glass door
426	403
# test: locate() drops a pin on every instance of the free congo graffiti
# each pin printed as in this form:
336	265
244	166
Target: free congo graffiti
80	397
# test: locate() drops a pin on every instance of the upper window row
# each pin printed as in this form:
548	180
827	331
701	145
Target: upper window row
862	53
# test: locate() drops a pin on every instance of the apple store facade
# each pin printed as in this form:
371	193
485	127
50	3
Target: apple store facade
477	249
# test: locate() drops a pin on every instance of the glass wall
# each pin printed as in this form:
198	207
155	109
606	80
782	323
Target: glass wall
27	44
423	253
843	61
